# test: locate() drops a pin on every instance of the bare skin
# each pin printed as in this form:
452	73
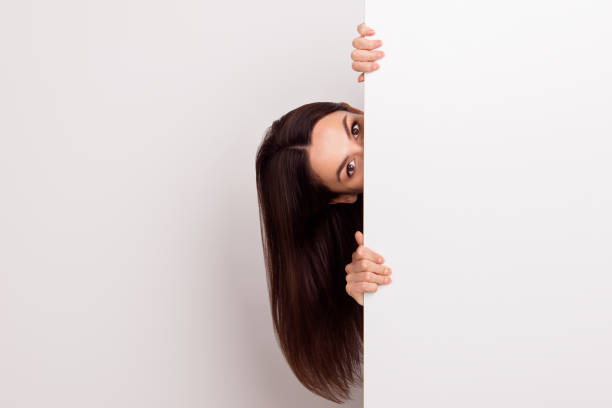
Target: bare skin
364	55
336	156
336	151
365	272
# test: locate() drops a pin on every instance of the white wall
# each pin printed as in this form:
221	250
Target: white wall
488	192
131	270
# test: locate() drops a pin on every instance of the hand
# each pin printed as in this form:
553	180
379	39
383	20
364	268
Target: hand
365	272
363	57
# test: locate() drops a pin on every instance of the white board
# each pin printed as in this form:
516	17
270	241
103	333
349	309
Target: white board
488	167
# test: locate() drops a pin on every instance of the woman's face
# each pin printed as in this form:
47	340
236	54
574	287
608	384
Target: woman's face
336	153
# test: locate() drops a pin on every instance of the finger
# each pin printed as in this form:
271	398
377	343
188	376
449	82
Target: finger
357	296
360	287
365	66
365	265
359	237
361	78
359	299
363	43
363	252
363	29
365	55
368	277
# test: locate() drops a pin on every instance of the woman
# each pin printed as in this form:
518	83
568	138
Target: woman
309	170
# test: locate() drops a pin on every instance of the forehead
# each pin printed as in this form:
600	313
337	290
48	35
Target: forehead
327	138
328	145
328	126
330	129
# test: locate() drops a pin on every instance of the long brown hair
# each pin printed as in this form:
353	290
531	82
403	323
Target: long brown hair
307	243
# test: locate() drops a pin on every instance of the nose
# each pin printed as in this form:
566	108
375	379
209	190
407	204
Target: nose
358	145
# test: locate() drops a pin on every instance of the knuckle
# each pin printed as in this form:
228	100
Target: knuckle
354	54
363	264
356	42
346	268
355	65
360	251
372	277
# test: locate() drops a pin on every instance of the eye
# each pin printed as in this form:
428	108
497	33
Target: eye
355	130
350	168
355	123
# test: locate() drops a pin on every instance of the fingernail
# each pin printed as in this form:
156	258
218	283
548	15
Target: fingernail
379	42
387	279
380	260
381	54
376	66
387	270
371	32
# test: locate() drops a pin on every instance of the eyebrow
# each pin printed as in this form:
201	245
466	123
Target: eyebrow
348	134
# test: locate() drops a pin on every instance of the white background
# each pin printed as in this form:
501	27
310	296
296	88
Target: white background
131	269
488	191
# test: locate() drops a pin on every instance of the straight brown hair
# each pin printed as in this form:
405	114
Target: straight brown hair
307	243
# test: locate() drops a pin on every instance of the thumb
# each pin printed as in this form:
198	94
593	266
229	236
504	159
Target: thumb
359	237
